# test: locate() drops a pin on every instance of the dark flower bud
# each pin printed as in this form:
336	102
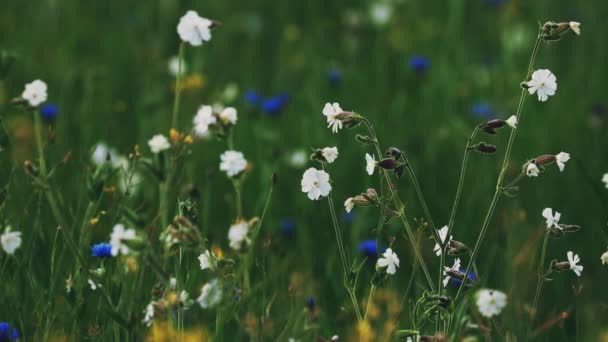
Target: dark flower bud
491	126
400	170
556	233
524	85
393	152
544	159
444	301
349	119
570	228
482	147
388	164
457	248
560	266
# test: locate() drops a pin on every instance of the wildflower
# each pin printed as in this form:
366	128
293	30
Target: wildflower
118	237
331	111
252	97
573	259
334	76
315	183
605	179
491	302
211	294
455	267
380	13
310	303
173	66
604	258
93	284
228	116
202	120
349	204
443	234
148	314
389	260
207	260
543	83
297	159
10	240
369	248
49	111
419	63
512	121
101	250
35	93
232	162
370	164
552	220
275	104
330	154
158	143
237	235
561	159
458	276
172	283
8	334
482	110
575	27
194	29
532	170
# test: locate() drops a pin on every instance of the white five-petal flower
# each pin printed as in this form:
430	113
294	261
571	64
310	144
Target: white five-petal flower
512	121
207	260
202	120
237	235
228	115
573	259
10	241
490	302
575	27
349	204
315	183
604	258
455	267
330	154
158	143
532	170
211	294
149	314
552	220
389	260
232	162
561	159
173	66
370	164
605	179
543	83
118	237
35	93
443	233
331	111
194	29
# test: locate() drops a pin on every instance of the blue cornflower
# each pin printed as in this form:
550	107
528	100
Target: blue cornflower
287	226
102	250
49	111
482	110
370	248
252	97
419	63
275	104
334	76
310	304
8	334
457	282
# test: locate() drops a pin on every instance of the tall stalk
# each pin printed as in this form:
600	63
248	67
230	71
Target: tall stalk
178	79
541	275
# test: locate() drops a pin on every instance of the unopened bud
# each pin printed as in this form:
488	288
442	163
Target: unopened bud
388	164
364	139
560	266
371	195
482	147
491	126
444	301
457	248
570	228
400	170
393	152
544	159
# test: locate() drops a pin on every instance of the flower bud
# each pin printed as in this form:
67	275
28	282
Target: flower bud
393	152
457	248
349	119
491	126
400	170
388	164
570	228
560	266
482	147
544	159
364	139
444	301
370	195
30	168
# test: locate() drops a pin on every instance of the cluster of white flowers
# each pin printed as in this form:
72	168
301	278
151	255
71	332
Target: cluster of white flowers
490	302
35	93
207	116
552	221
233	163
237	235
389	260
315	183
543	83
159	143
211	294
194	29
443	234
118	238
10	240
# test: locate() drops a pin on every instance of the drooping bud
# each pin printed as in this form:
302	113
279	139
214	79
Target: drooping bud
544	159
560	266
483	147
388	164
393	152
371	195
457	248
570	228
491	126
364	139
400	170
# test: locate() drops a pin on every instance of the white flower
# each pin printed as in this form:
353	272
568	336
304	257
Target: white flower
202	120
552	220
532	170
69	283
315	183
349	204
561	159
172	283
544	83
117	238
194	29
228	115
158	143
605	179
573	259
100	154
211	294
233	162
455	267
330	154
443	233
297	159
149	314
490	302
389	260
575	27
35	93
207	259
512	121
604	258
93	284
331	111
10	240
370	164
380	13
184	300
174	66
237	235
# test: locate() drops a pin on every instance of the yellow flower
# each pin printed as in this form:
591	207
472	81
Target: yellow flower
174	135
364	331
188	140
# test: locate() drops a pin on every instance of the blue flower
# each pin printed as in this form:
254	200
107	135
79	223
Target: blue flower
8	334
457	282
495	2
419	63
252	97
349	217
49	111
369	248
334	76
310	304
287	226
482	110
102	250
275	104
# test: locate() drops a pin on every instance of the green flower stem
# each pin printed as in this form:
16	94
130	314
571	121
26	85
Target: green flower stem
178	79
541	277
369	301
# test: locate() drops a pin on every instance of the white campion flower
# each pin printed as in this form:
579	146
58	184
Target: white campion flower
35	93
605	179
543	83
380	13
370	164
330	154
552	220
315	183
184	300
207	260
172	283
173	66
297	159
237	235
573	259
349	204
232	162
211	294
158	143
512	121
561	159
202	120
604	258
389	260
93	284
532	170
228	115
194	29
455	267
575	27
149	314
443	234
118	237
490	302
10	241
331	111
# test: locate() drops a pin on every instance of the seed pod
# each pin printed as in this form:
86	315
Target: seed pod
560	266
491	126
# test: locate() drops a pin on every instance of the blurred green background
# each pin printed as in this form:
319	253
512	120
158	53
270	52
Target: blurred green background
425	77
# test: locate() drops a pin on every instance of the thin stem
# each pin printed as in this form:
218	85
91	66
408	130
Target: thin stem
414	180
541	275
238	200
163	205
369	301
39	144
178	79
254	236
